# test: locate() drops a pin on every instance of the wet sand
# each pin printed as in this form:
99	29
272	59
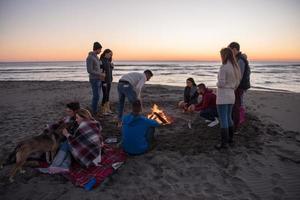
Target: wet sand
264	164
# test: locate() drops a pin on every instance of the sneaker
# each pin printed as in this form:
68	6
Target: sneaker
190	124
207	121
213	123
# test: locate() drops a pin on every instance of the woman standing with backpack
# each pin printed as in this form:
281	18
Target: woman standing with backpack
107	67
229	77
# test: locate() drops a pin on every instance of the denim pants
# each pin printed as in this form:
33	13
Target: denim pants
125	90
209	113
225	115
96	90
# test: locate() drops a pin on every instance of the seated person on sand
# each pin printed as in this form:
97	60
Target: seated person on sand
137	131
84	145
207	106
190	95
61	159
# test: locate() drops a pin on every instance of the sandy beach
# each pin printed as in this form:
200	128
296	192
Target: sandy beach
264	164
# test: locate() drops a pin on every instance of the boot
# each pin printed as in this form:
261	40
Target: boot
224	139
104	109
108	108
230	136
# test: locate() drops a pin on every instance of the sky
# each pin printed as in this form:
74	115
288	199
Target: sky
61	30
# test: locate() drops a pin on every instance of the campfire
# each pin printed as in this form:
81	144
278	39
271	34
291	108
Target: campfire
159	116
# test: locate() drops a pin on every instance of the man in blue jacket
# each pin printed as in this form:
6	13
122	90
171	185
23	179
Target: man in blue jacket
137	131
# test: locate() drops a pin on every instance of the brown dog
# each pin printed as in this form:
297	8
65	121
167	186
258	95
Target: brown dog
46	142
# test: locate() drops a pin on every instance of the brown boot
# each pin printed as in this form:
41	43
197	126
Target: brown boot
108	108
104	109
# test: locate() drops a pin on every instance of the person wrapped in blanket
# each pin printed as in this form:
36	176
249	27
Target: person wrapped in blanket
84	145
190	96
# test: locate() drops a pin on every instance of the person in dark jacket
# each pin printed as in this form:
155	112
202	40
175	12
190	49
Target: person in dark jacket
244	84
207	106
137	131
190	96
107	67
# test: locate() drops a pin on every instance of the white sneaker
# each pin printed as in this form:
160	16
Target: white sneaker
213	123
190	124
207	121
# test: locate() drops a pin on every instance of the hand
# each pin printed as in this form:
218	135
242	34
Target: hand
65	132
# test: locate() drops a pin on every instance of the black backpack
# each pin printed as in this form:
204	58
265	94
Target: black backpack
245	82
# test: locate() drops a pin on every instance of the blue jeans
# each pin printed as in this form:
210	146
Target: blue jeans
96	89
209	113
125	90
225	115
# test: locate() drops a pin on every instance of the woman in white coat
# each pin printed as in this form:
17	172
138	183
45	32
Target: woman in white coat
229	77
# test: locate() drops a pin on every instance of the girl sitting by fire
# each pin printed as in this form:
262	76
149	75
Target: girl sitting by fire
190	96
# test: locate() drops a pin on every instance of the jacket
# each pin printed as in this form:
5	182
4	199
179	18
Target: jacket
107	68
134	132
93	66
190	95
208	101
226	84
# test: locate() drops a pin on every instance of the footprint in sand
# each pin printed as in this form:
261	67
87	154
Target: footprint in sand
209	188
275	178
171	179
278	191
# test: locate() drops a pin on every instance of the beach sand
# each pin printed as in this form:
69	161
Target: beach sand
264	164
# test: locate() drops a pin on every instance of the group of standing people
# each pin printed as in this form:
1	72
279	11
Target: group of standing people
225	106
100	76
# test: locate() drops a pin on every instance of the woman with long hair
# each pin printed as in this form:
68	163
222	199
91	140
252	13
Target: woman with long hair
107	67
190	96
85	145
229	77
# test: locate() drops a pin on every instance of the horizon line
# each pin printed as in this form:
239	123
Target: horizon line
252	60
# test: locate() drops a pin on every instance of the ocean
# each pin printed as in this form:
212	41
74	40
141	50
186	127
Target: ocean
264	75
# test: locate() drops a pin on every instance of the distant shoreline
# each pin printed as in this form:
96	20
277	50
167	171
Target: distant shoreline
251	89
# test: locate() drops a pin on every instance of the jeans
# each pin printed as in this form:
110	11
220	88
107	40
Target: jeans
96	86
209	113
63	156
106	90
125	90
225	115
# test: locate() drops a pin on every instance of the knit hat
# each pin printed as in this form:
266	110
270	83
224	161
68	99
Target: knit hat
96	46
73	105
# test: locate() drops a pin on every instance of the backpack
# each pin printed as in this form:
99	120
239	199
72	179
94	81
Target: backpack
245	82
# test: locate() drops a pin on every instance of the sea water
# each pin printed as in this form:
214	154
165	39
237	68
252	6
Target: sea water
264	75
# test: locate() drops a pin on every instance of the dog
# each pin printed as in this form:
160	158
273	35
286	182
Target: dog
46	142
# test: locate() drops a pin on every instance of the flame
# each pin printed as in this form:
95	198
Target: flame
159	115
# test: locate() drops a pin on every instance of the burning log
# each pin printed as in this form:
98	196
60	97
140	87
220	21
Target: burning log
159	115
161	118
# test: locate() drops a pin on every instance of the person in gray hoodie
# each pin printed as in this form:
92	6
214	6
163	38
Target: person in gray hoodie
93	68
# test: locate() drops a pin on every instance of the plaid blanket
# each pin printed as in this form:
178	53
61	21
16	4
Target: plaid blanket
85	145
79	176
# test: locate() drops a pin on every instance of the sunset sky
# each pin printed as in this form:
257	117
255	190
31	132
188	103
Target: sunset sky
46	30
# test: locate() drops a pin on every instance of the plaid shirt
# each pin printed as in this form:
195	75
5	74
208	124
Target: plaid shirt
85	144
